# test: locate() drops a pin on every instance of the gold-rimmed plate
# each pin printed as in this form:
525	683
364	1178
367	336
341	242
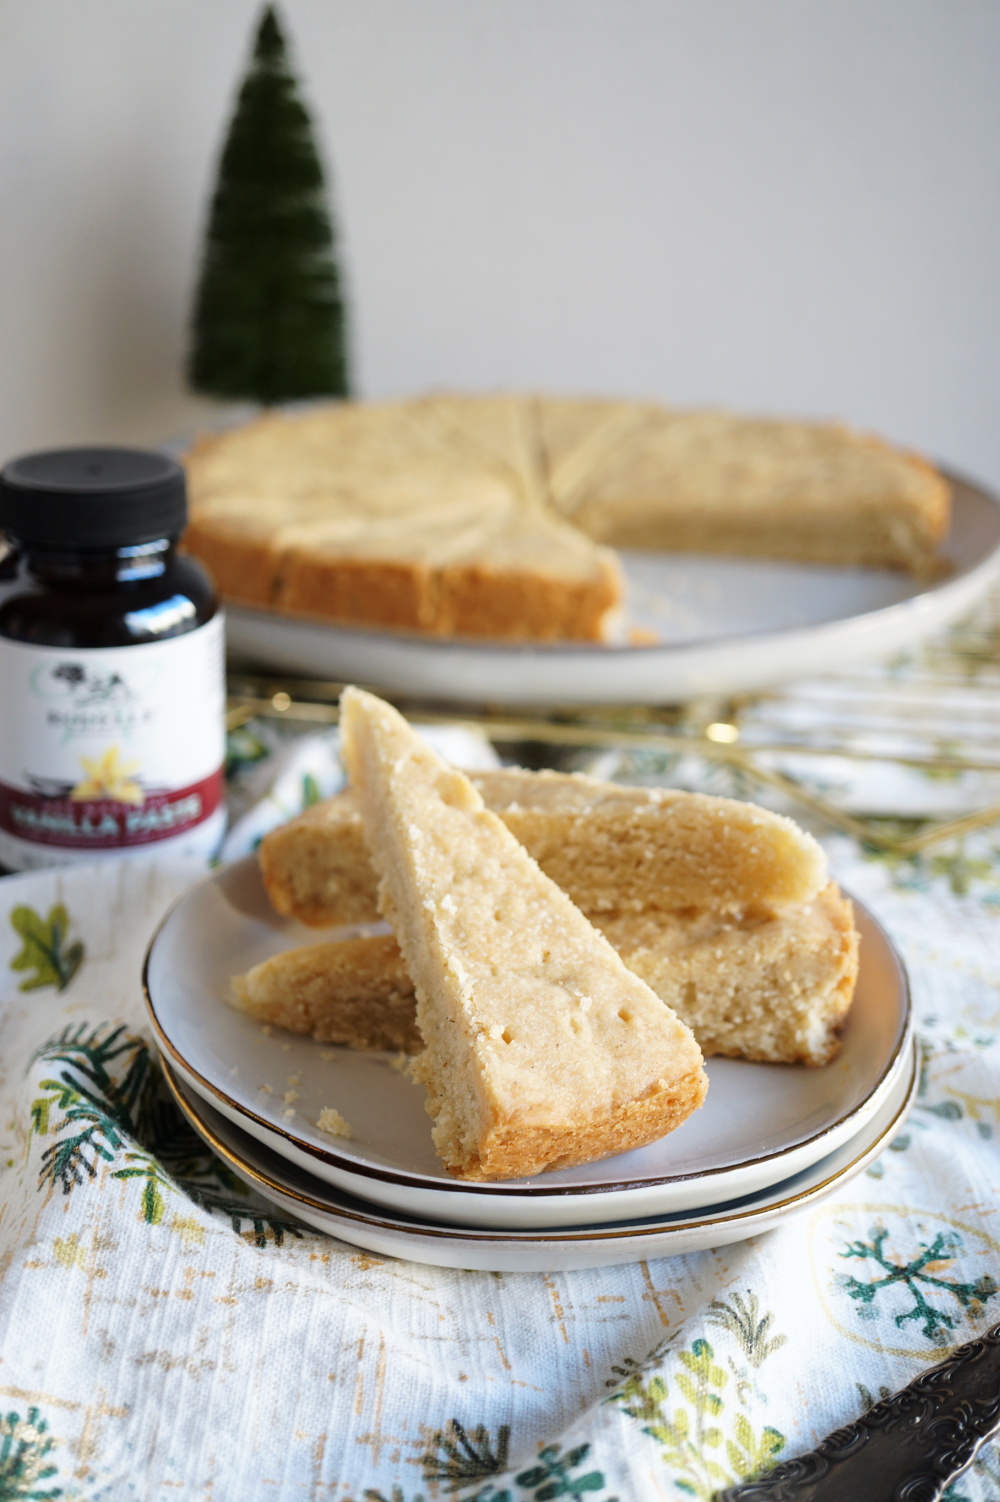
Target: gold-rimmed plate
761	1124
557	1249
708	625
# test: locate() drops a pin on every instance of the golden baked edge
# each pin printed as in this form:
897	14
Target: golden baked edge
513	1151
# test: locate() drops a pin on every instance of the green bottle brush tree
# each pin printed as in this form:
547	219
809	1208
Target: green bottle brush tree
268	320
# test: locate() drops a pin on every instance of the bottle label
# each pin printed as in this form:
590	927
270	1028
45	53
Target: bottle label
111	747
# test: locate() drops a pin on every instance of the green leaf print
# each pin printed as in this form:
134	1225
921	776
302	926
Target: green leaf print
550	1476
749	1455
45	949
464	1458
920	1273
25	1445
705	1447
742	1319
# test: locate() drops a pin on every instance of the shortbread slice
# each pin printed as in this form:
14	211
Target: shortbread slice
610	848
355	993
541	1049
776	988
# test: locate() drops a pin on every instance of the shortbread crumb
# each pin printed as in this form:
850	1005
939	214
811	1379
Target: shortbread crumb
331	1122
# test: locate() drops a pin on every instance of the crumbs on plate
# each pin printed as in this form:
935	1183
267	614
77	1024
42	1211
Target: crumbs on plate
331	1122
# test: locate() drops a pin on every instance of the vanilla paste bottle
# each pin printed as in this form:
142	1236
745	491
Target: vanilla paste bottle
112	683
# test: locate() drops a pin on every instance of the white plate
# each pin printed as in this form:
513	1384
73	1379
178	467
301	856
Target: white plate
760	1124
555	1250
726	626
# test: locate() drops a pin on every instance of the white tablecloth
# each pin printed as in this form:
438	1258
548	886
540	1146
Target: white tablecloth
164	1335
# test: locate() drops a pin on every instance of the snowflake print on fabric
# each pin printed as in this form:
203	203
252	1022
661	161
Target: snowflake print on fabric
921	1274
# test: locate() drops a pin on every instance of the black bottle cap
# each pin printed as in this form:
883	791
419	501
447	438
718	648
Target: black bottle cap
91	498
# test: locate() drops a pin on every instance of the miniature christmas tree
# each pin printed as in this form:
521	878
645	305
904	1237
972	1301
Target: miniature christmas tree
268	318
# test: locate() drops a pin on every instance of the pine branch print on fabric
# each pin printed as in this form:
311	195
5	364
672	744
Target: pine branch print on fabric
25	1447
919	1274
550	1476
115	1111
90	1136
741	1319
464	1458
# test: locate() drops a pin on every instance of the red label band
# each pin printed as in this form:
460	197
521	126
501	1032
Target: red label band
101	823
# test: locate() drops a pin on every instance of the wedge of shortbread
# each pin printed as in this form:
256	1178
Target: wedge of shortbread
610	848
775	988
356	993
541	1049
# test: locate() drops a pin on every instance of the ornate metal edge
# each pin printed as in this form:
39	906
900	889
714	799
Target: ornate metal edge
909	1447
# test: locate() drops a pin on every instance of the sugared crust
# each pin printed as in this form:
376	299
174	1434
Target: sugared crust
540	1046
775	989
495	517
610	848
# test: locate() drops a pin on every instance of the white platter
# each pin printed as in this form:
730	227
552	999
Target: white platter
392	1234
761	1123
725	625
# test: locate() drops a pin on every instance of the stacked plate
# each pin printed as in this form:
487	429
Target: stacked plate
770	1139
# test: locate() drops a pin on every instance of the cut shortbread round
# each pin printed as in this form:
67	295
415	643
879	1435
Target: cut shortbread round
498	516
540	1048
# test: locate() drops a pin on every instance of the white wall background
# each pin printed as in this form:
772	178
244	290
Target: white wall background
787	205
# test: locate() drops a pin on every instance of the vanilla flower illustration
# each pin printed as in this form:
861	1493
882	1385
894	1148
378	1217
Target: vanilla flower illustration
108	778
